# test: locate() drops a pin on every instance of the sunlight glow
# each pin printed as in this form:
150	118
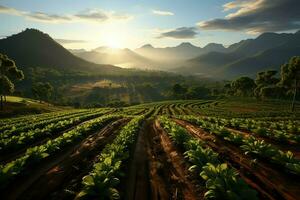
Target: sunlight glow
113	40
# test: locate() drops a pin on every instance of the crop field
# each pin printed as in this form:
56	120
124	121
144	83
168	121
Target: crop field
187	149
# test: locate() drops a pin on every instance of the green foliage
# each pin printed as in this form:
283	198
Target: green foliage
42	91
37	153
221	181
23	136
102	181
8	73
259	147
251	146
243	86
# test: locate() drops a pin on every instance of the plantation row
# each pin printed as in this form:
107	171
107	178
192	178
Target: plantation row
35	154
19	139
221	181
165	150
257	148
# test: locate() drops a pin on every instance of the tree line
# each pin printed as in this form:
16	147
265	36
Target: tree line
269	84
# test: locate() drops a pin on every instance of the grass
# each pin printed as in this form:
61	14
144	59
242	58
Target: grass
16	106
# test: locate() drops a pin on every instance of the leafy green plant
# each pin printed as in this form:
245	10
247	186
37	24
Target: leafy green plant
293	168
223	183
259	147
102	181
37	153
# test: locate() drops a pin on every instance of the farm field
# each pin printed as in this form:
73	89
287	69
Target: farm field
17	106
185	149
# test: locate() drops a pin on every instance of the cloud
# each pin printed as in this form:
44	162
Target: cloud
68	41
256	16
89	15
236	4
162	13
180	33
43	17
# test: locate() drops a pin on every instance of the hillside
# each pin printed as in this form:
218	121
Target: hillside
33	48
247	57
15	106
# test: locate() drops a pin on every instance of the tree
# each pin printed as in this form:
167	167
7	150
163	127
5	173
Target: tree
290	76
243	86
197	92
227	89
42	91
265	80
273	91
8	73
179	91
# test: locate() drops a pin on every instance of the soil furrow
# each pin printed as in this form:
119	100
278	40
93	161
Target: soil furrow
269	182
52	165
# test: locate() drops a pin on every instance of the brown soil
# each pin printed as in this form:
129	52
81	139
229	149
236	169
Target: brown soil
265	178
168	174
137	184
51	174
188	187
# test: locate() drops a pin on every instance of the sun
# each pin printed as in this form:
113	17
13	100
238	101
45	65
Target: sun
113	40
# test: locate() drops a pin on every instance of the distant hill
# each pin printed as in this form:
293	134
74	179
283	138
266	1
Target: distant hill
267	51
181	52
33	48
147	57
120	57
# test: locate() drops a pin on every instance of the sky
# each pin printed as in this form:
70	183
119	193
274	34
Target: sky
132	23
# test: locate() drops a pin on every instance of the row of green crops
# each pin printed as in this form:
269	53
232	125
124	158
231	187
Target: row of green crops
42	124
13	123
280	131
102	181
222	182
250	145
35	154
23	139
290	126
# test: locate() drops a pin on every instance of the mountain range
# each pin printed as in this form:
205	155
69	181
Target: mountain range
147	56
33	48
247	57
267	51
121	57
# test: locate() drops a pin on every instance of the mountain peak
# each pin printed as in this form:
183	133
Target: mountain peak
214	47
32	47
209	45
186	44
147	46
33	32
267	35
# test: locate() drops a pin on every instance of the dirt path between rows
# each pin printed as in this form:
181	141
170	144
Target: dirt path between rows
186	188
137	185
265	178
168	171
48	175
